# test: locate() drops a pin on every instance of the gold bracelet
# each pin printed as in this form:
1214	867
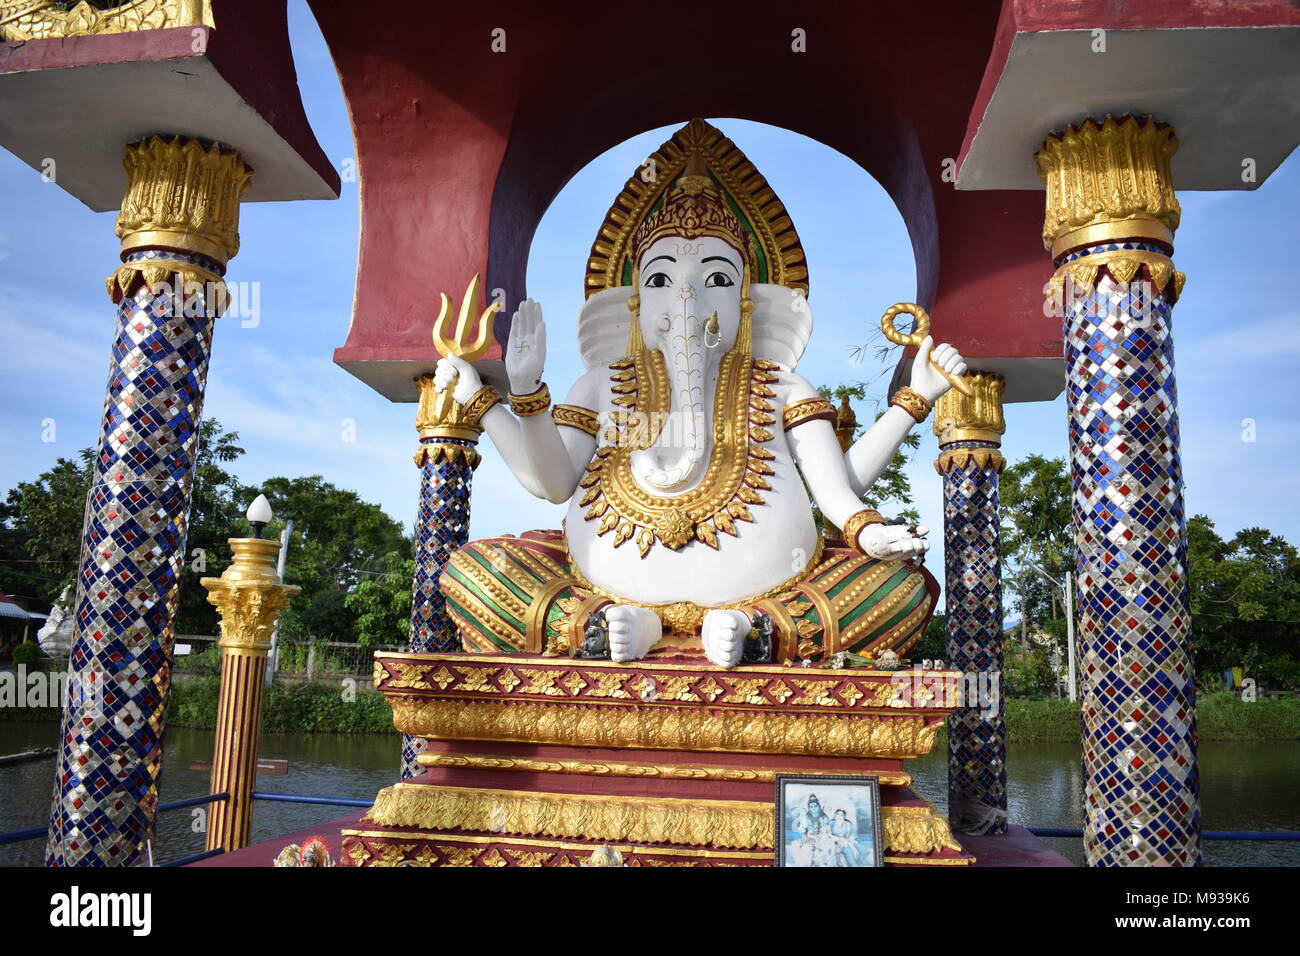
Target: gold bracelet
855	522
534	403
912	402
575	416
479	403
808	410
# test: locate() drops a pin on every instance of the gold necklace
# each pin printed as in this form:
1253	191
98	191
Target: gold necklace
738	462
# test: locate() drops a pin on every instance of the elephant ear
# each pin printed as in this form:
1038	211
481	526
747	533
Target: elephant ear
603	326
782	323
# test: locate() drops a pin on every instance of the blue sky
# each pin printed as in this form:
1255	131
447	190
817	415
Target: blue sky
1237	327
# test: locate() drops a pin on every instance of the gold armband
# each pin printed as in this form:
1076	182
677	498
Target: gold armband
575	416
857	521
479	403
912	402
808	410
534	403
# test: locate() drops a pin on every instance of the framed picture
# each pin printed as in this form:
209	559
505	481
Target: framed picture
828	821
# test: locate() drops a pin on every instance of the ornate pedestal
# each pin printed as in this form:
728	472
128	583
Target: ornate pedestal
536	761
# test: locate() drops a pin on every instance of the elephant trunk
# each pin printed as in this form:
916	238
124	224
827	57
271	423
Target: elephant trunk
676	459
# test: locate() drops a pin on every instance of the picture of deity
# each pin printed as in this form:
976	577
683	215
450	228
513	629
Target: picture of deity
828	821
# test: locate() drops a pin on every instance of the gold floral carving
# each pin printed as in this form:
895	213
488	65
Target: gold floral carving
249	596
1122	265
963	458
439	415
721	823
609	263
1108	181
916	830
620	768
182	195
22	20
667	728
741	825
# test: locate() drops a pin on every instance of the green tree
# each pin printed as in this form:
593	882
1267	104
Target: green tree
1245	597
40	529
1035	501
382	603
338	540
219	501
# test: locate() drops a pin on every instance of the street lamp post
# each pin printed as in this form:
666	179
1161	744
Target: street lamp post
1067	589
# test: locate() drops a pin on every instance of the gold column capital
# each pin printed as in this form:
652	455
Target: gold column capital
970	427
1107	181
440	416
183	195
249	596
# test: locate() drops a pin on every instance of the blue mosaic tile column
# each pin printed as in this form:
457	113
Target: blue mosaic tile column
1111	217
133	547
969	461
179	226
1134	617
442	525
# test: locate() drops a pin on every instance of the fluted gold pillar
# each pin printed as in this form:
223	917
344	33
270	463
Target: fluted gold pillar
179	227
1110	221
970	429
249	597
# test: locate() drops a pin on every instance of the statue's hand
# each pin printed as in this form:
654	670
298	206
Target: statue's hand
632	631
723	635
454	368
926	378
893	542
526	350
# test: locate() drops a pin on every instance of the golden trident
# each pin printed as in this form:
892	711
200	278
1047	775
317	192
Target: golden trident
920	329
439	413
459	343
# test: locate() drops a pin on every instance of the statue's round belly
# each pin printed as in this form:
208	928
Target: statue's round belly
764	553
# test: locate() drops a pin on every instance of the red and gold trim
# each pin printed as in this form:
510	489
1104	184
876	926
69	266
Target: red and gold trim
534	403
912	402
575	416
856	522
479	403
809	410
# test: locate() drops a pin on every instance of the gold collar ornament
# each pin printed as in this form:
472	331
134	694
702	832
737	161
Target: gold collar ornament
738	463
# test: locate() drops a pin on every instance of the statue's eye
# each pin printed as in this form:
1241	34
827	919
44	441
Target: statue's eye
718	280
659	280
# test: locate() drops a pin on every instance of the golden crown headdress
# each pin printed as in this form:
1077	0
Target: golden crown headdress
693	207
696	184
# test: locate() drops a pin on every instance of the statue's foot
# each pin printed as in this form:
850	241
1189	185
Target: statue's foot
632	631
723	635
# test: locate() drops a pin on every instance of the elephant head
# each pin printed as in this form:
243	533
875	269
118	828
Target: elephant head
690	310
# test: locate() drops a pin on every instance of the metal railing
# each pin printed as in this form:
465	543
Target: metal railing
39	833
1254	836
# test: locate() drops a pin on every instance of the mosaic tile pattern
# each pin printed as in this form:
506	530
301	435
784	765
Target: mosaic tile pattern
133	545
977	748
1138	691
441	526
